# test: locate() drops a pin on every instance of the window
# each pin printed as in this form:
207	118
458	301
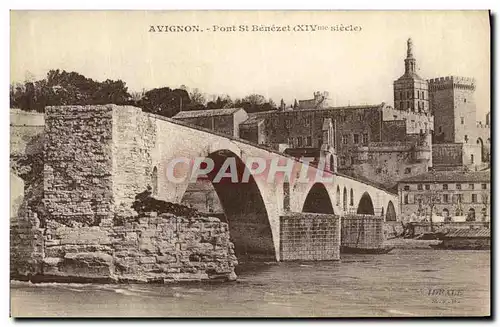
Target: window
471	186
474	198
355	138
462	120
365	138
427	187
287	123
345	139
419	187
483	186
342	161
406	199
445	186
407	187
407	170
299	141
465	100
471	158
418	94
351	201
309	141
353	160
466	138
459	186
440	129
307	121
445	198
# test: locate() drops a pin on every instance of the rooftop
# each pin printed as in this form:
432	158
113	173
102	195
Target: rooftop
410	76
256	117
206	113
450	176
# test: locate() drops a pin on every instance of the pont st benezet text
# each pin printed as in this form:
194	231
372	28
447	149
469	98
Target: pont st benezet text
256	28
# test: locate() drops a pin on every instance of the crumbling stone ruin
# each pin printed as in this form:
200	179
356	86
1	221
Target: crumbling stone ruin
70	227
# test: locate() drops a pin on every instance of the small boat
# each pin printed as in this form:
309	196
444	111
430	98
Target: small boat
348	249
464	239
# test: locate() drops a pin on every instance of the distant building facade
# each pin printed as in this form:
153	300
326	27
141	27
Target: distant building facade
456	195
226	121
364	144
431	126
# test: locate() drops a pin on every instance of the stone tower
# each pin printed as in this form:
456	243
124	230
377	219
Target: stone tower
454	108
411	92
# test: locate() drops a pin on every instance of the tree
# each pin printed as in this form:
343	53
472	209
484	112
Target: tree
428	201
67	88
255	103
164	101
221	102
282	104
197	97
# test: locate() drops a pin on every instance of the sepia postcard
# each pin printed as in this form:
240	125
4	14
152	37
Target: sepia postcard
250	164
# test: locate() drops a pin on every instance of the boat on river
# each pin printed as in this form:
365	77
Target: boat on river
464	239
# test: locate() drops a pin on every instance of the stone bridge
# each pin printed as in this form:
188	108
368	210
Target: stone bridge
97	158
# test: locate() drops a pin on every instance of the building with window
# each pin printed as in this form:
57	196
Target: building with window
454	196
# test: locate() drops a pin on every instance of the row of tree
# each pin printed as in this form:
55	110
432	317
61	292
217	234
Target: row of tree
71	88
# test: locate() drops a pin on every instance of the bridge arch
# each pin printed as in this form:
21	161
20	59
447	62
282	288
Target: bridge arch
318	200
390	214
244	208
365	205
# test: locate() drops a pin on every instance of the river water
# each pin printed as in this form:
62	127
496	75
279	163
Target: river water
401	283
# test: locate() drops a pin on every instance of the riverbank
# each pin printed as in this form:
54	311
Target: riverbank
410	243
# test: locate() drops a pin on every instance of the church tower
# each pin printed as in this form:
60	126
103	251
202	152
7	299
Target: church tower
411	92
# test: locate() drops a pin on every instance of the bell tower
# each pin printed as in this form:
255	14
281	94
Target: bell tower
410	61
411	92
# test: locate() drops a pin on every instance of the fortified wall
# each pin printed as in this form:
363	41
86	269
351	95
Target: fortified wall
76	223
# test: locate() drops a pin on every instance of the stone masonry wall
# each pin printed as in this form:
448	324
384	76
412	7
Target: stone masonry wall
147	249
77	164
134	139
309	236
362	231
69	228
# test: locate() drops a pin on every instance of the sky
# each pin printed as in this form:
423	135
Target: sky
355	67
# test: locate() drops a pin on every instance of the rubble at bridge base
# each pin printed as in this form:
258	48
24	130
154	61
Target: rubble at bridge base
145	249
